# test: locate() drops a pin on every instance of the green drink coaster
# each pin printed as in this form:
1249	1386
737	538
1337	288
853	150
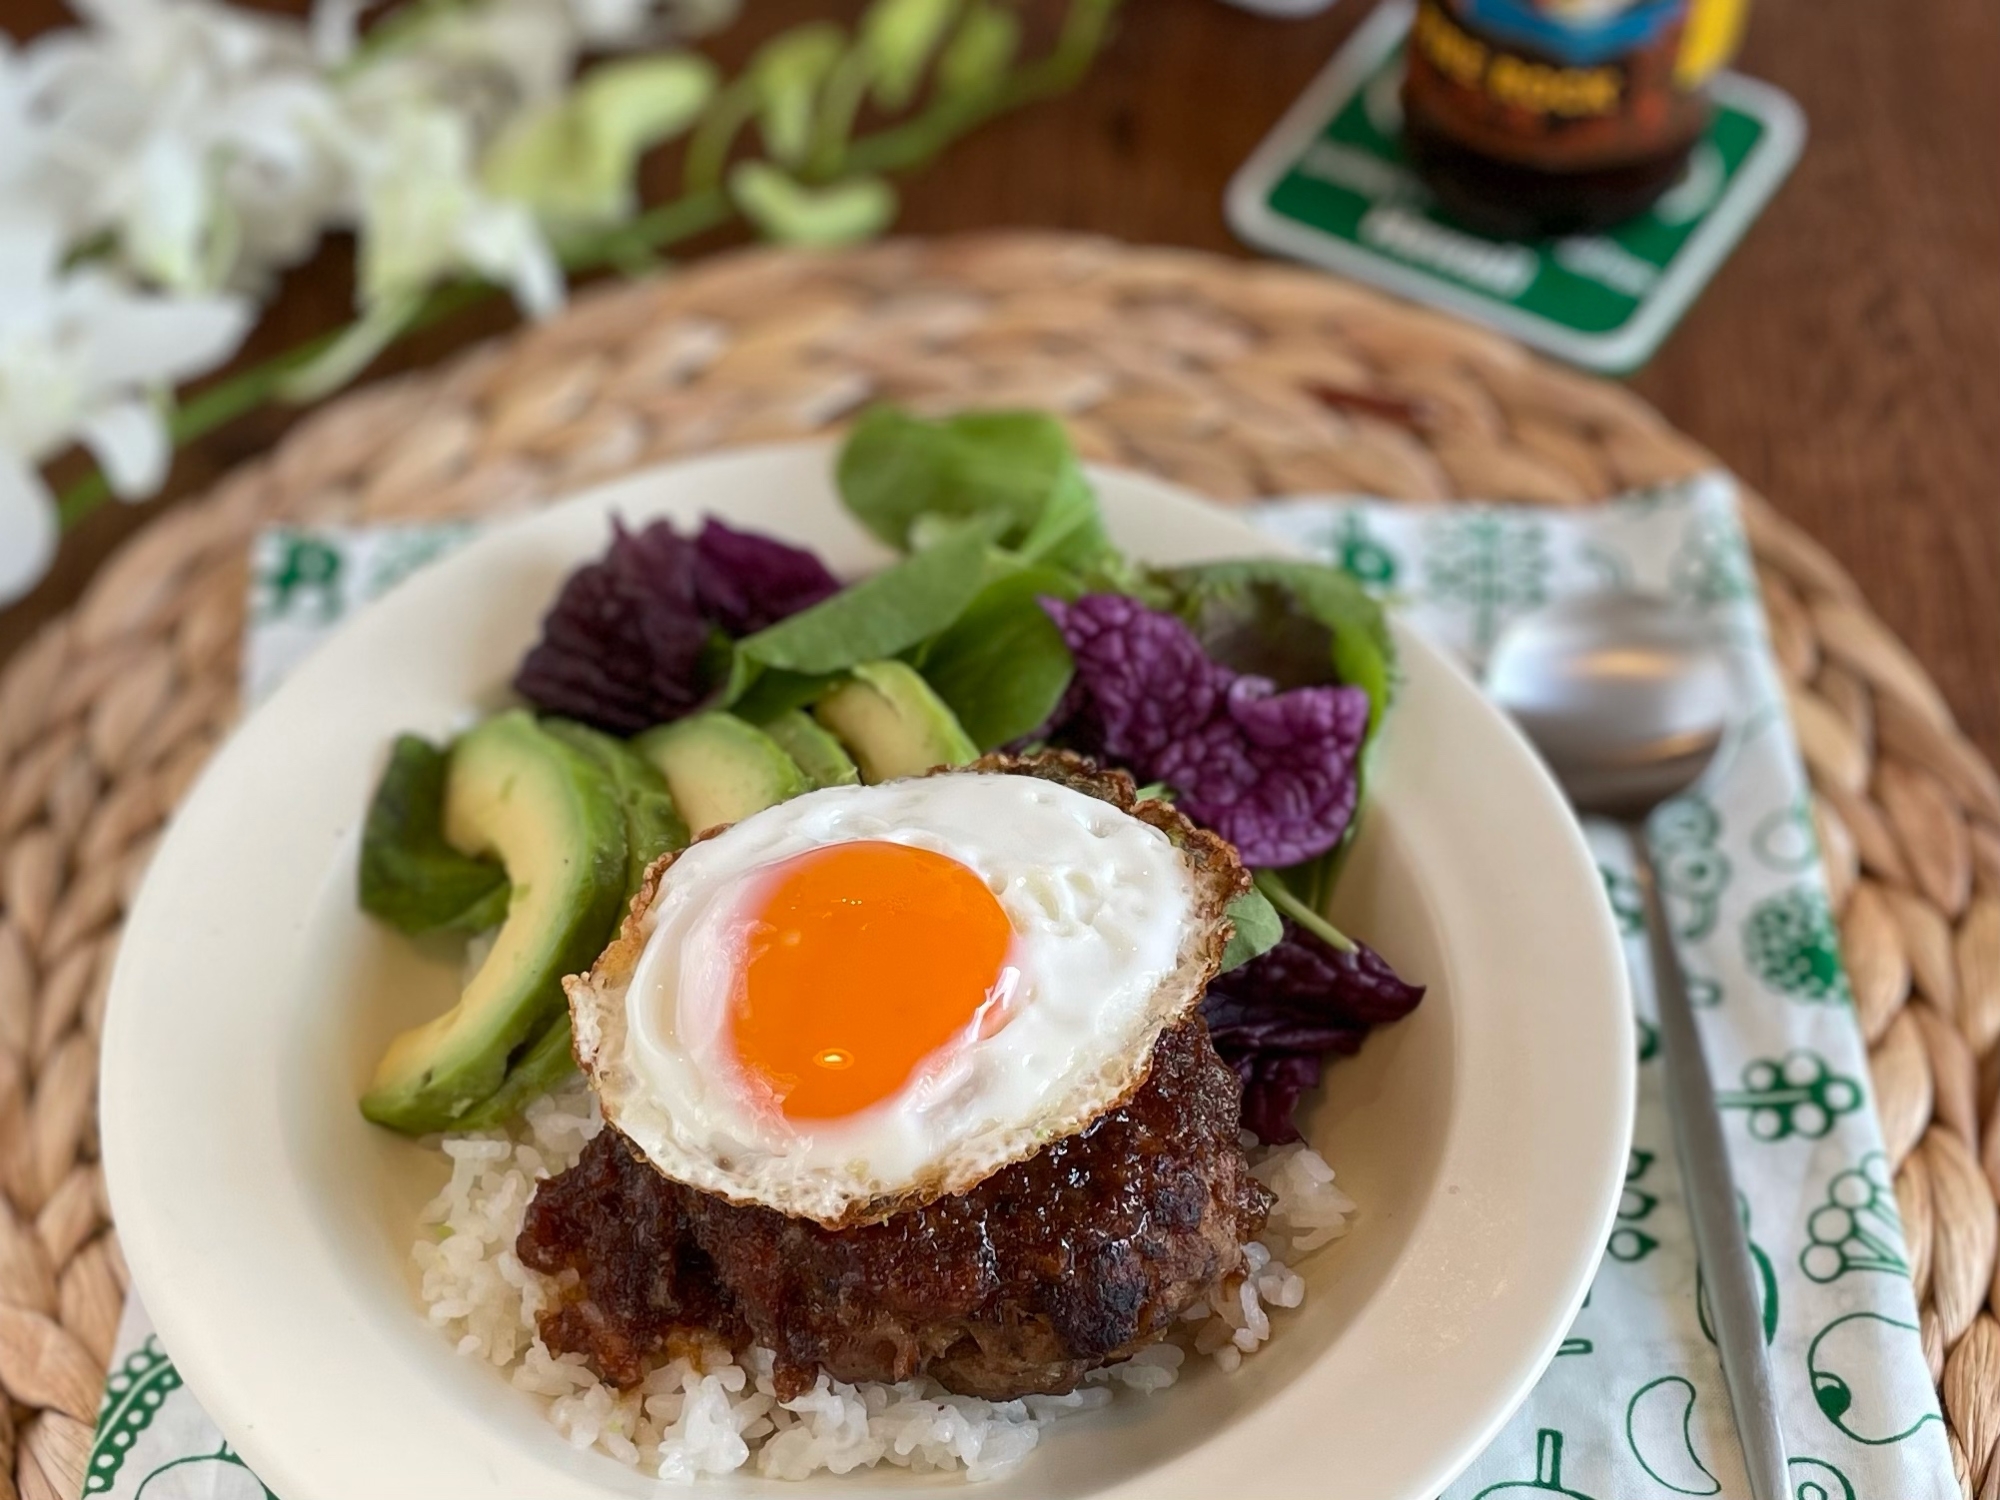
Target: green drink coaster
1330	185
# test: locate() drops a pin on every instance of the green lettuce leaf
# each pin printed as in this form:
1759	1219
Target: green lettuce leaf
881	616
1298	623
1257	929
1015	471
410	877
1002	667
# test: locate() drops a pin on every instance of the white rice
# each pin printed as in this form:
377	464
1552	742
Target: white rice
708	1412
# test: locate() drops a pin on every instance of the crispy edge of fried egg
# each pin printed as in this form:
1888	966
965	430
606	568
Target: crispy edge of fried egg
598	1000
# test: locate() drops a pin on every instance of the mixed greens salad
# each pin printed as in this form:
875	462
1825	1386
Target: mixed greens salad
681	682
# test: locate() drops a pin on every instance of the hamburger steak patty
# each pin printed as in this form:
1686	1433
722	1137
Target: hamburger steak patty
1076	1257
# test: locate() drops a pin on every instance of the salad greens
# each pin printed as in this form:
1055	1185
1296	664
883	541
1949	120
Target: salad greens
761	694
1271	771
1300	624
1014	470
898	608
1287	905
410	877
1297	623
1256	925
1001	666
1249	693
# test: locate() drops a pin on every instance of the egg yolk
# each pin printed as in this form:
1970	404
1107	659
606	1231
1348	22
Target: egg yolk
863	959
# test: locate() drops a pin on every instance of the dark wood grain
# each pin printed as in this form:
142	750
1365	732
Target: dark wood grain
1846	360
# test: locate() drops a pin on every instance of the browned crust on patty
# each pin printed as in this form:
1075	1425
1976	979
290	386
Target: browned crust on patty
1075	1257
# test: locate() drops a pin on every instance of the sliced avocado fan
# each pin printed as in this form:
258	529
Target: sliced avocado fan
652	823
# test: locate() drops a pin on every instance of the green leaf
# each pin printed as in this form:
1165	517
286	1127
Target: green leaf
1015	471
787	74
766	694
980	51
1001	667
880	616
900	36
792	214
410	877
573	162
1257	929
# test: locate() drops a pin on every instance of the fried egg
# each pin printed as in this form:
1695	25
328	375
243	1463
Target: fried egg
867	997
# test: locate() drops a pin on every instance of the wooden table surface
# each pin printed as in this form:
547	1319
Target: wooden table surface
1845	361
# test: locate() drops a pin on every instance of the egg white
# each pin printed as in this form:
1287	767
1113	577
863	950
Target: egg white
1101	906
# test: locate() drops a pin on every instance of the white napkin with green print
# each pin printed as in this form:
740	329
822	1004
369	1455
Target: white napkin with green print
1634	1407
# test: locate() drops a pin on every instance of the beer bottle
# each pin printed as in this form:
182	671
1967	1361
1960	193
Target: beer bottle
1545	117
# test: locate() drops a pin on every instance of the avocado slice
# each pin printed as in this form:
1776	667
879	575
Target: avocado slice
892	723
549	1059
816	752
652	824
553	816
719	768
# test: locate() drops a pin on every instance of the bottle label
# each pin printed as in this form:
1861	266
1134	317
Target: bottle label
1568	85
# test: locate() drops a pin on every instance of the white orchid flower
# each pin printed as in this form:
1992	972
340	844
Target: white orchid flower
424	216
81	356
204	131
484	62
161	161
34	177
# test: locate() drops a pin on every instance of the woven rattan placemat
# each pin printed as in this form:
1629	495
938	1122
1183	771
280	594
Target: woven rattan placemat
1237	380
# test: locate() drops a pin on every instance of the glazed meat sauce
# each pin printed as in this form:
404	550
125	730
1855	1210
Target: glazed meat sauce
1049	1268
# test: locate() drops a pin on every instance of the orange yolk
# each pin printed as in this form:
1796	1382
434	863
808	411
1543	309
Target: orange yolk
862	961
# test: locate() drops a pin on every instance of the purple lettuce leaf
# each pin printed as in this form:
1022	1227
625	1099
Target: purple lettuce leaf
1273	772
745	581
622	648
631	640
1276	1018
1272	1084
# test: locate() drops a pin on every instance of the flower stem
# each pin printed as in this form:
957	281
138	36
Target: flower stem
727	114
249	389
705	205
840	103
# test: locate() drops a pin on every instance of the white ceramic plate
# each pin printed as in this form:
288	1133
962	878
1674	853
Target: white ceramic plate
268	1226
